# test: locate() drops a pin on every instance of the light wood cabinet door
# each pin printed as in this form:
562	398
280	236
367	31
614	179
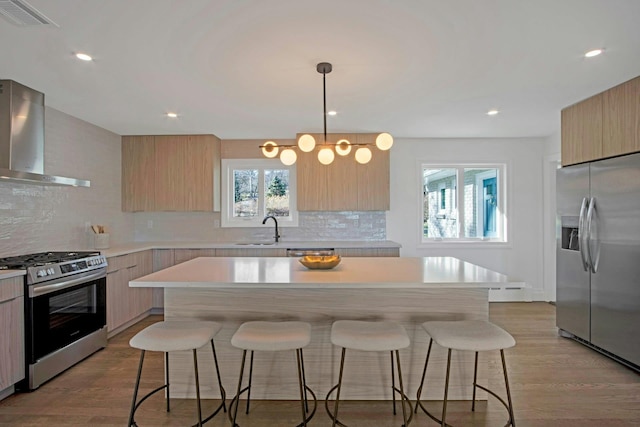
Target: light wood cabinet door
368	252
621	122
251	252
581	131
162	258
182	255
373	178
312	182
342	177
141	298
344	185
171	173
123	302
138	173
12	356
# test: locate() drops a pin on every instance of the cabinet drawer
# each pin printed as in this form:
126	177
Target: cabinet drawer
11	288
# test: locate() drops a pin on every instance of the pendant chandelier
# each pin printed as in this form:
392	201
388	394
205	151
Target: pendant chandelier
328	150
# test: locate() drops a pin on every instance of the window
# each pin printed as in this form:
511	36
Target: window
475	213
255	188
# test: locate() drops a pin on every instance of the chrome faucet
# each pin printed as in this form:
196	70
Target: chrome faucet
264	221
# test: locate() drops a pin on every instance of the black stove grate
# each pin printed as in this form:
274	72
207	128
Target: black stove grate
23	262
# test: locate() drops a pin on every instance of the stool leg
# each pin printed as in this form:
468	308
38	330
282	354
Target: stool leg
404	413
424	373
195	367
135	390
166	370
304	383
223	394
250	378
446	389
335	408
475	383
235	412
393	385
506	382
302	390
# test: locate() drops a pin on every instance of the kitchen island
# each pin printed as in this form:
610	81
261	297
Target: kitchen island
406	290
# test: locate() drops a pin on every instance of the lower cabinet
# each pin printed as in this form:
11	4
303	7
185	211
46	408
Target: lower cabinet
11	332
374	252
125	304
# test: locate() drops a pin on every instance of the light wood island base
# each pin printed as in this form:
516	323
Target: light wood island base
464	295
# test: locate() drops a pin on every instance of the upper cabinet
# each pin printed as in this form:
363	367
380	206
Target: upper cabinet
605	125
581	131
621	124
344	185
171	173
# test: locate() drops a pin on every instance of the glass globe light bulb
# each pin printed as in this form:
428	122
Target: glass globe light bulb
288	156
363	155
306	143
384	141
326	156
270	149
343	147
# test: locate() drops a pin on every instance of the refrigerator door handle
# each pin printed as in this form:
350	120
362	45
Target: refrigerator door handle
592	236
582	235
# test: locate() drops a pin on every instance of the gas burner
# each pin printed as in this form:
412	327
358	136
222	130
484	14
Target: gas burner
42	258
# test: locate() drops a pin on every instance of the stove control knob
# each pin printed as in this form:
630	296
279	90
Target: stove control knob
41	273
51	271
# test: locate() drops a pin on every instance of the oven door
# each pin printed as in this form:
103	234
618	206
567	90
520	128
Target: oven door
59	314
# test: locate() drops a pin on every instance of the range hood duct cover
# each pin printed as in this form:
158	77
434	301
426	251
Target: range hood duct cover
22	137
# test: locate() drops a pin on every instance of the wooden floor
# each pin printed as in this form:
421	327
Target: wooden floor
554	382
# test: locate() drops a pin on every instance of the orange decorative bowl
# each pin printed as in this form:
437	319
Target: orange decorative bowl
315	262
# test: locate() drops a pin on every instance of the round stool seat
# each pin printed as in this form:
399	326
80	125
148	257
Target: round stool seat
470	335
369	336
175	335
272	336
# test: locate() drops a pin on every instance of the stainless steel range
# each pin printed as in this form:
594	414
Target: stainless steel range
65	310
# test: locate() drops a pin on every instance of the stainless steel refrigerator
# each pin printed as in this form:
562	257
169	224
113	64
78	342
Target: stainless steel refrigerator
598	255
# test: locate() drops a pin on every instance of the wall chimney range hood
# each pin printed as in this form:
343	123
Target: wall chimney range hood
22	137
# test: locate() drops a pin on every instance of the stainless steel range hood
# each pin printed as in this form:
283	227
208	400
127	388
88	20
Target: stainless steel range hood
22	137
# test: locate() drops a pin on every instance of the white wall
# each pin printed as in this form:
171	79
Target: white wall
522	258
36	218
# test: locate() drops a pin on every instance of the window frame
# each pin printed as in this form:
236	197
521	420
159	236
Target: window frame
226	209
458	204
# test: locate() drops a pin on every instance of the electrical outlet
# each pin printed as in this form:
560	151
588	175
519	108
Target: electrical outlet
149	223
216	223
87	226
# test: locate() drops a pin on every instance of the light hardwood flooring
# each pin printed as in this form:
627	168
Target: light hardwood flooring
554	382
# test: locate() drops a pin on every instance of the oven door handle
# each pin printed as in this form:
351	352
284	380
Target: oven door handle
38	290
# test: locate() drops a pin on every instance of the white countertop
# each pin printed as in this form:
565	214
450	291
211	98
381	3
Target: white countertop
7	274
352	272
143	246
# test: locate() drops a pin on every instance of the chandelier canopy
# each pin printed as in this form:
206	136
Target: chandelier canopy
328	150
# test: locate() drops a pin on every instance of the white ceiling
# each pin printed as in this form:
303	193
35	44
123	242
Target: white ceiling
247	68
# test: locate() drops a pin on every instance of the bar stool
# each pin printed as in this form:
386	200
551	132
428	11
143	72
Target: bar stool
467	335
170	336
272	336
370	336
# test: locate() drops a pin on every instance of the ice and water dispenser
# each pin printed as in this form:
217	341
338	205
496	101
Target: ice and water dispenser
569	237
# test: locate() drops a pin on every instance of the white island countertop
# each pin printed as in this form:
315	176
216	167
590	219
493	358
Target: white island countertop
352	272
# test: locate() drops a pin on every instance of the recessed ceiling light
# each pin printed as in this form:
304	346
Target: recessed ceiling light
84	56
172	115
594	52
492	112
332	113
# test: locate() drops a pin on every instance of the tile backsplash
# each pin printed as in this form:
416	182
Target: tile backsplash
37	218
313	226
